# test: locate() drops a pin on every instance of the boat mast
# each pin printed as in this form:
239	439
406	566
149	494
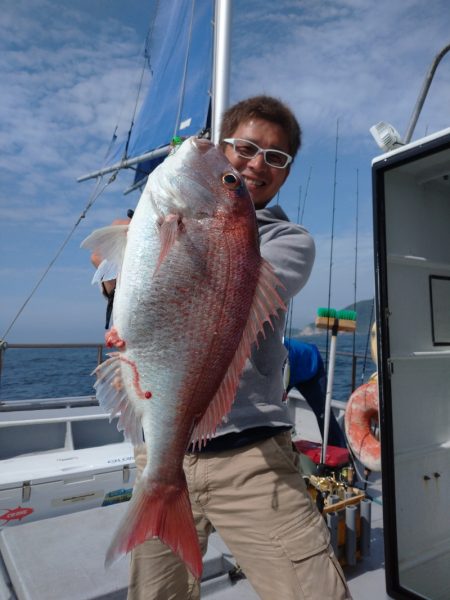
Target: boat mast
221	65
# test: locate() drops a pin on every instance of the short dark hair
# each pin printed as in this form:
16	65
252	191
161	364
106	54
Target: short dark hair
262	107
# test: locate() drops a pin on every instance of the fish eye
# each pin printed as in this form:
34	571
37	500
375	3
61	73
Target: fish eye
231	181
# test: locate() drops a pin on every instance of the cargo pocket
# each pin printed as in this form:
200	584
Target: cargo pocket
340	573
281	445
317	572
300	539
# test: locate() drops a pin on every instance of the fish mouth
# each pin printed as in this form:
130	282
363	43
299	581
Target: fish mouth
202	144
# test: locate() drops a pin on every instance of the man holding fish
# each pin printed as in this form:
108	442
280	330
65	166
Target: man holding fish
198	324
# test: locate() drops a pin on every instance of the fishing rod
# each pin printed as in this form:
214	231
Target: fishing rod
355	279
300	214
291	303
330	360
306	195
334	322
333	213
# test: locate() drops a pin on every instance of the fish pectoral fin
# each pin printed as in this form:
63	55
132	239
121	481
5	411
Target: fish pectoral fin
109	243
166	515
266	303
168	233
106	271
112	397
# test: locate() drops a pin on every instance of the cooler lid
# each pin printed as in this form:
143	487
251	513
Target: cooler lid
53	466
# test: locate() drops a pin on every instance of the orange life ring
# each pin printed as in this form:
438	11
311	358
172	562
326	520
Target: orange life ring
361	411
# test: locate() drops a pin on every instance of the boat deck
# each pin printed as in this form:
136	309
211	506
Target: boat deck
69	564
366	580
61	557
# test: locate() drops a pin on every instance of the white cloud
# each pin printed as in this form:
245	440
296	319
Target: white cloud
61	98
67	80
357	60
315	293
70	75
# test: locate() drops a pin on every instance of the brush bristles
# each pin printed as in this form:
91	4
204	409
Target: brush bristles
329	313
327	317
332	313
348	315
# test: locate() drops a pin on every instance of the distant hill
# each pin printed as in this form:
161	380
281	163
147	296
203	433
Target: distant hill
294	332
364	318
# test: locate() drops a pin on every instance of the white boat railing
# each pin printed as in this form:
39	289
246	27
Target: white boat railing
47	403
6	346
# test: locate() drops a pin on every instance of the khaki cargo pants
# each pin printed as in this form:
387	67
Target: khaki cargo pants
256	499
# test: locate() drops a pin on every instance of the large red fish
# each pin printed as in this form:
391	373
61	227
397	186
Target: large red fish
193	292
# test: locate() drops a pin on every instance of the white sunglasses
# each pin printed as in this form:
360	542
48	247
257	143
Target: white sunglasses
247	149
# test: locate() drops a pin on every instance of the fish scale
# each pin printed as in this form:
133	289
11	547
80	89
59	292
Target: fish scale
193	293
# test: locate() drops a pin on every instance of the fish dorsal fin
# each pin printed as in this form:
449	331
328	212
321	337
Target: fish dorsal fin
109	242
113	398
168	233
266	303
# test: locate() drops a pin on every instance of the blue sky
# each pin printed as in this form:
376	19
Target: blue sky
69	73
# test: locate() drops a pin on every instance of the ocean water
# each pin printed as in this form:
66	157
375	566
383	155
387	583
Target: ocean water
37	373
30	373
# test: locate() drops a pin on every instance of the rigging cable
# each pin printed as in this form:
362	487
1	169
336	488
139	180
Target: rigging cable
183	82
97	190
147	61
306	195
95	194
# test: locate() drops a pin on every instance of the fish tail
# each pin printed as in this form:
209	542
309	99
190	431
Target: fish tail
155	514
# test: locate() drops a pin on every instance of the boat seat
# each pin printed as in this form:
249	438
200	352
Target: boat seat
335	456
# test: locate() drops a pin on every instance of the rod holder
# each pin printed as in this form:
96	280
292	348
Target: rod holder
350	535
333	524
366	518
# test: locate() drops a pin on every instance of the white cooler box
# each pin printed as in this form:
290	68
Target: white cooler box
46	485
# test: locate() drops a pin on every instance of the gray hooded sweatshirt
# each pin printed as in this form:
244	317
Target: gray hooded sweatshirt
290	249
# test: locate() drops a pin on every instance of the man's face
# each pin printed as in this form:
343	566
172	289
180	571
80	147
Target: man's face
263	181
